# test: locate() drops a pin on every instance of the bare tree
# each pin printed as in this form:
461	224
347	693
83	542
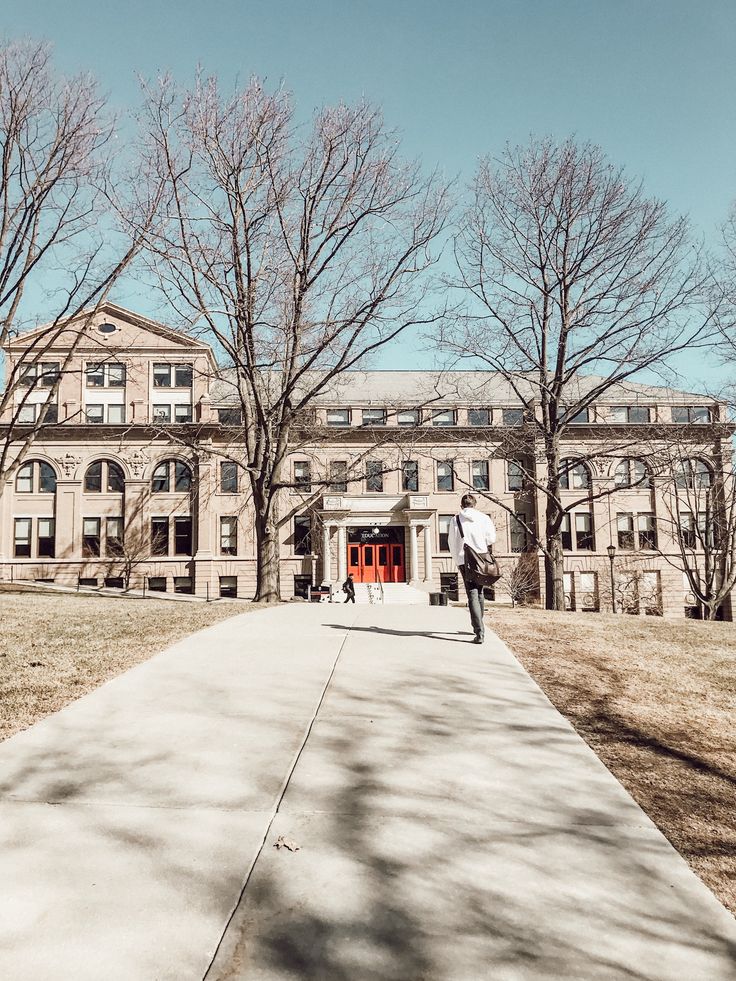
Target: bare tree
521	579
55	181
576	282
298	252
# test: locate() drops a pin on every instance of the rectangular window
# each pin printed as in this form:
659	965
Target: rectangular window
374	417
27	375
512	417
49	374
632	414
408	417
22	538
228	587
303	476
338	476
159	536
157	584
302	535
374	476
228	477
479	417
687	530
625	531
584	532
24	479
183	376
589	592
51	414
481	475
566	533
116	414
580	418
647	531
445	475
161	414
115	374
182	413
229	536
182	536
95	376
514	475
114	536
230	417
698	414
162	376
338	417
90	537
443	417
27	414
183	584
443	525
517	533
182	477
410	476
95	414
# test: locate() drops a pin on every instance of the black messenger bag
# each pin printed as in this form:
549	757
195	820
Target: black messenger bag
480	568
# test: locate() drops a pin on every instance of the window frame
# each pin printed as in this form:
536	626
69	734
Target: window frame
378	413
374	476
92	542
232	479
302	534
409	476
449	422
183	521
332	423
449	477
338	477
22	541
474	477
228	538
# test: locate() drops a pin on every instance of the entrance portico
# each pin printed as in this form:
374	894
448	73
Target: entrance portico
372	536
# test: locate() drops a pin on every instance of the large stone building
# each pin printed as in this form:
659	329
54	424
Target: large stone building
140	477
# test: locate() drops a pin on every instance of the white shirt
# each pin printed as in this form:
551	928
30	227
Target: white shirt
479	532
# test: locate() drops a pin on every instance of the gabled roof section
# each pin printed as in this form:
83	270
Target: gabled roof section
111	311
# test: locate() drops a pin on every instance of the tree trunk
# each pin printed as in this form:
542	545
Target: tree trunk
553	574
268	579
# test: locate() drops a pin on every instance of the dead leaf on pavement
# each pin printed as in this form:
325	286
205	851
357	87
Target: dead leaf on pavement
283	842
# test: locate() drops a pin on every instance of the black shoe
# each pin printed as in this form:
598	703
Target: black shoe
477	640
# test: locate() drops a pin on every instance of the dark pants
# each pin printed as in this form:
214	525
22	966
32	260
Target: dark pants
475	604
350	597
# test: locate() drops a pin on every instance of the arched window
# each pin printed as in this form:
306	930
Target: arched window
631	473
171	475
693	474
104	474
574	476
36	477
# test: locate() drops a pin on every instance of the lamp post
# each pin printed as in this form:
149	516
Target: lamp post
611	555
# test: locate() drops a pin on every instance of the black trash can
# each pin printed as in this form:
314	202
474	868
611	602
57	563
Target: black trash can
438	599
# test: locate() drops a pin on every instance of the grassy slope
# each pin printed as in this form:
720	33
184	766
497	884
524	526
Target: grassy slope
55	648
655	699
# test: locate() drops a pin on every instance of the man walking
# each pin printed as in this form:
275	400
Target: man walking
479	532
348	587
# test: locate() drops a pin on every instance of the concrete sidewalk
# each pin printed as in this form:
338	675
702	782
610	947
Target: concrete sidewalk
451	824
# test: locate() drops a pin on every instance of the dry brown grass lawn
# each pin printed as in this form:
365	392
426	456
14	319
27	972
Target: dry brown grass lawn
655	699
55	648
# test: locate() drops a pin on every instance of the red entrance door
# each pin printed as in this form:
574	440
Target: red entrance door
369	561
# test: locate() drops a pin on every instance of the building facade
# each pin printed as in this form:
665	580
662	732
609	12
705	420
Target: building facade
139	476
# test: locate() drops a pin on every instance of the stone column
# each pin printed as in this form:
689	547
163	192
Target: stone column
7	527
342	564
428	553
326	563
413	554
68	519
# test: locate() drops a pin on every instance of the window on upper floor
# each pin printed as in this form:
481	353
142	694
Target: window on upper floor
445	475
584	539
374	417
338	476
42	374
512	417
230	417
625	531
113	415
514	475
698	414
178	412
106	375
580	418
228	477
646	528
303	476
374	476
338	417
631	473
183	536
480	472
631	414
574	475
443	527
479	417
693	474
104	474
171	475
35	476
229	535
302	535
410	476
172	375
408	417
444	418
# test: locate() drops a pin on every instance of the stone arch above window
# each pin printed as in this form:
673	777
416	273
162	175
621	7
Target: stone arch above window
35	477
631	472
574	474
171	476
104	476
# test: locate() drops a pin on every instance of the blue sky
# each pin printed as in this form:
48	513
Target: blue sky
651	81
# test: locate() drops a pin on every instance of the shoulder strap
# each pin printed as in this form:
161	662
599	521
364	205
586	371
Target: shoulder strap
459	526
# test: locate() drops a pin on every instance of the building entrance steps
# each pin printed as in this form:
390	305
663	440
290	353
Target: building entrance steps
393	593
450	823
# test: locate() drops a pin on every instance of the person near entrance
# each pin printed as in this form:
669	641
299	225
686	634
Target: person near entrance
348	587
479	532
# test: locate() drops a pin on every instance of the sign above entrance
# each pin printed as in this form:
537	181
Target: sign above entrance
376	534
